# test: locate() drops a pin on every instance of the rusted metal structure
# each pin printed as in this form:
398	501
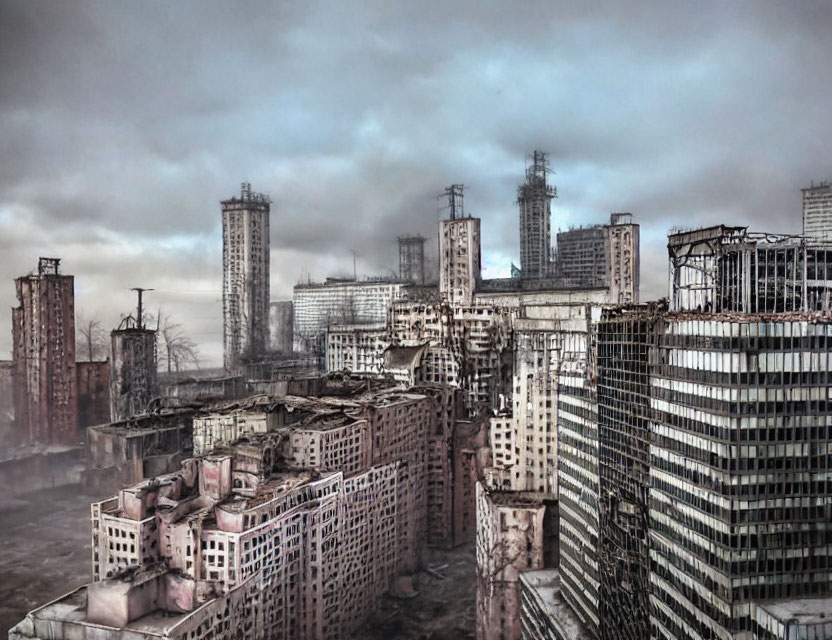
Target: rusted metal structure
535	200
43	353
245	267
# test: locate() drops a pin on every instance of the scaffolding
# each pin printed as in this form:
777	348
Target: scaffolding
535	200
456	209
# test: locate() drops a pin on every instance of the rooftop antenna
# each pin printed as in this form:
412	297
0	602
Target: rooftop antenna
139	321
454	195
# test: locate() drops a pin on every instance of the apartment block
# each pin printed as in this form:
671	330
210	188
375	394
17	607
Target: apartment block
140	447
259	538
43	357
467	344
357	348
245	269
817	212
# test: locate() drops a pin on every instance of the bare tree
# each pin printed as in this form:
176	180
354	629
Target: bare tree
177	349
90	338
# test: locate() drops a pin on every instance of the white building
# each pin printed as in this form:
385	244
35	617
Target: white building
320	306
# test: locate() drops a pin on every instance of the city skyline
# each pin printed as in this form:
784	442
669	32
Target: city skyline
126	132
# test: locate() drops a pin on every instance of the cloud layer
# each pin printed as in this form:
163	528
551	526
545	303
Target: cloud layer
123	125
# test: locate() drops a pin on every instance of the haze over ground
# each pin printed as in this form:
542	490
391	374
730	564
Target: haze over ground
125	123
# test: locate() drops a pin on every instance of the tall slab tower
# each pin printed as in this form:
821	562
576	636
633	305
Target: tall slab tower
245	266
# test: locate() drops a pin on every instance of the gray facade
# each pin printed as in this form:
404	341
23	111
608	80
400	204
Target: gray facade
534	198
245	267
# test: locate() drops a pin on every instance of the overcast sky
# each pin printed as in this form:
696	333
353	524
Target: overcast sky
123	124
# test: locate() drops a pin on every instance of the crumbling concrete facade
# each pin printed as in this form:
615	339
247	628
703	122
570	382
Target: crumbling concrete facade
460	260
460	257
43	355
509	542
245	269
358	349
261	532
534	198
123	453
133	375
412	259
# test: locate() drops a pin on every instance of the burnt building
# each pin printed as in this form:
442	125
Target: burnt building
245	269
43	354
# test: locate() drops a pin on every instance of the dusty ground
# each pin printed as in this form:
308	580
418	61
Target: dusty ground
442	609
45	539
45	542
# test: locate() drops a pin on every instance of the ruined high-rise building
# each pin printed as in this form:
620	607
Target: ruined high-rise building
535	200
459	251
412	259
602	255
817	211
245	266
43	354
133	380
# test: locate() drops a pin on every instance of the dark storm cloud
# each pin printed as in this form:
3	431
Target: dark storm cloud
123	125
